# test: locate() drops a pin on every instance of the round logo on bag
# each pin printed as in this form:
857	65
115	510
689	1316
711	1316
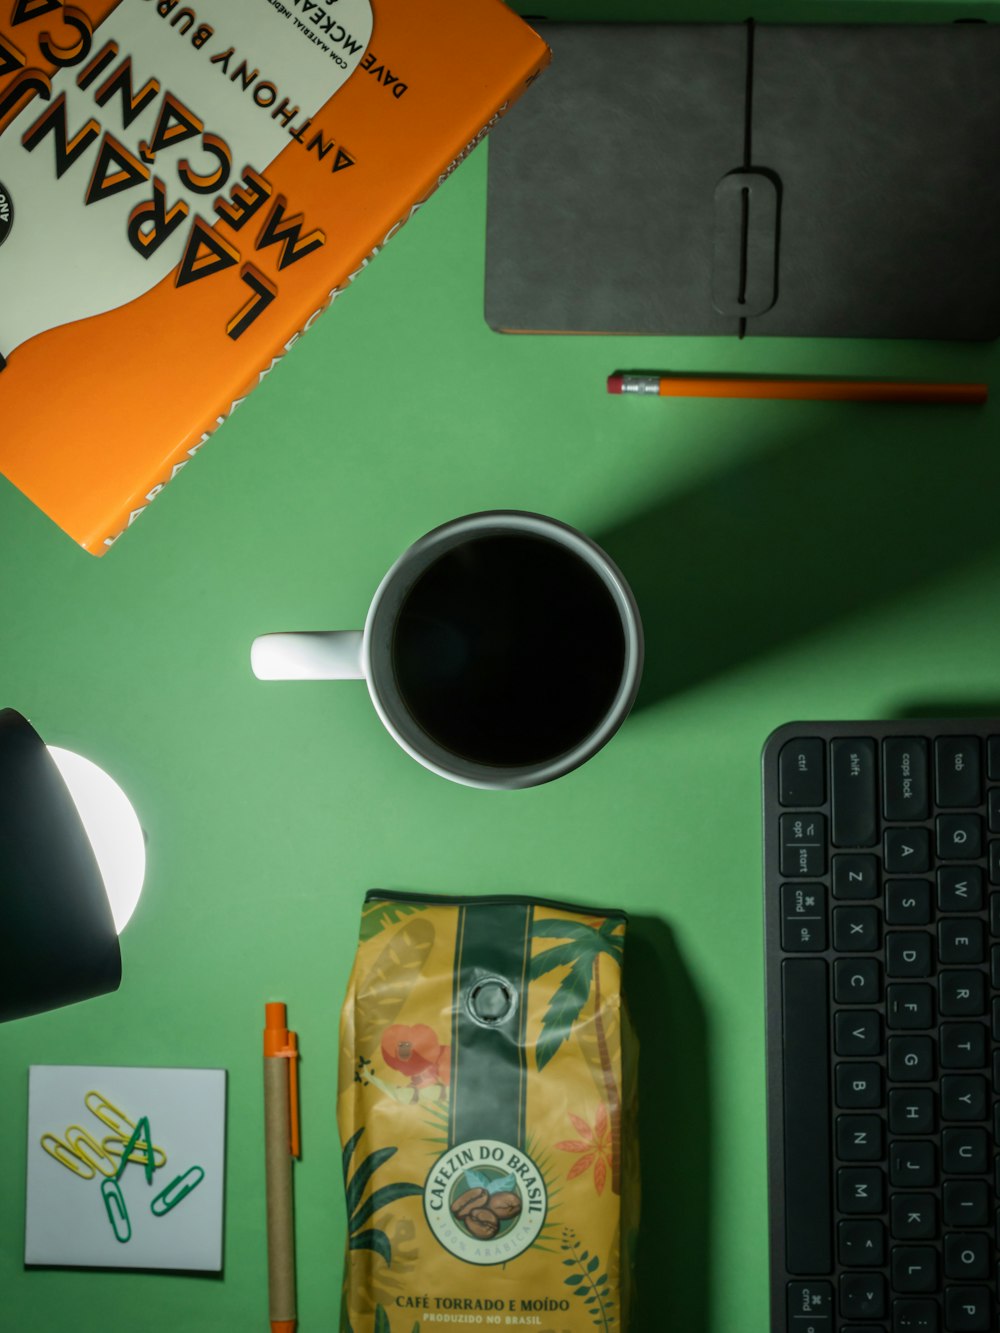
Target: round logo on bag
485	1201
6	213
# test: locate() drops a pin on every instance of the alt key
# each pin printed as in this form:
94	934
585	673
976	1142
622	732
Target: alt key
810	1307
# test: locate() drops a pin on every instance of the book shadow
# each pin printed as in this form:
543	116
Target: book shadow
869	505
673	1263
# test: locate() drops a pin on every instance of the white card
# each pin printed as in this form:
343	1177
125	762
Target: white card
70	1221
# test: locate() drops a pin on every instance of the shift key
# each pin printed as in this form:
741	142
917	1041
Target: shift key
854	792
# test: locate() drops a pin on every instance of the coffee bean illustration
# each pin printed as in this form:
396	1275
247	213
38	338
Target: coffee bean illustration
482	1222
505	1204
469	1200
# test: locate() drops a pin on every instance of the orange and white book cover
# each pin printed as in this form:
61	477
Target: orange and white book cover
205	179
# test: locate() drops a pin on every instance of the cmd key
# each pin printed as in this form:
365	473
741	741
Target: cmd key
854	792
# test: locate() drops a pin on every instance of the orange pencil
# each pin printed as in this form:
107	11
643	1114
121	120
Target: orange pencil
281	1144
821	390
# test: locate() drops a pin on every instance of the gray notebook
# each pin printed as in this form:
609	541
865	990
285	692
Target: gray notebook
808	181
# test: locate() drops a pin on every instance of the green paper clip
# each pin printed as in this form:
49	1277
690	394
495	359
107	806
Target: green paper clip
114	1145
141	1133
176	1191
114	1206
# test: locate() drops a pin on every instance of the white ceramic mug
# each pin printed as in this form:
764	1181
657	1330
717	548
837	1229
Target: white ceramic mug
373	655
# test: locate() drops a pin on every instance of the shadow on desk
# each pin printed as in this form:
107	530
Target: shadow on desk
861	511
673	1262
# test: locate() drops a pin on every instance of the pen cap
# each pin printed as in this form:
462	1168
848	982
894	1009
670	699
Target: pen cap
275	1028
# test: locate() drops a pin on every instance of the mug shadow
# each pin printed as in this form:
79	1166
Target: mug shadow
673	1261
809	531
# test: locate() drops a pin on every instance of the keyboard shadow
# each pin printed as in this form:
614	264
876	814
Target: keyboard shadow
809	531
673	1264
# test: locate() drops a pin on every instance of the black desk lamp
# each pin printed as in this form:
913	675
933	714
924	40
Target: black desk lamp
58	937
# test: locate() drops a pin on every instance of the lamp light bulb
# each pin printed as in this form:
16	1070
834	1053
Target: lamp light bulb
113	829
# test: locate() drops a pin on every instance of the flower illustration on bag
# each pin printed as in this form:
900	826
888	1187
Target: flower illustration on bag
593	1148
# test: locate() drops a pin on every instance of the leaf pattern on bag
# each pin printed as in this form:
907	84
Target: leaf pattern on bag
385	988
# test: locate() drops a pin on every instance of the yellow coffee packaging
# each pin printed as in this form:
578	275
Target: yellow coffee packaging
486	1108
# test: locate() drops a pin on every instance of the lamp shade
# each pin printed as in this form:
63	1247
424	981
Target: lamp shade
58	942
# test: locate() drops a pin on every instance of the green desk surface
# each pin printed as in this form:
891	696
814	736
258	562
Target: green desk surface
790	559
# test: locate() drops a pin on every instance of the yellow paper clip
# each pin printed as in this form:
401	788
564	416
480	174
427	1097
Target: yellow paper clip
178	1189
114	1206
90	1151
70	1159
117	1121
114	1145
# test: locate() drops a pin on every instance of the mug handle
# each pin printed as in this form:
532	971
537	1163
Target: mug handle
310	655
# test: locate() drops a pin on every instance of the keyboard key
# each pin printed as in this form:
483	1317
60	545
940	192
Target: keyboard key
908	902
810	1301
995	913
914	1269
861	1242
995	862
859	1086
916	1316
855	875
854	816
913	1216
806	1094
862	1295
961	940
909	1005
860	1190
959	837
911	1059
803	918
993	808
964	1097
962	994
993	751
967	1256
855	929
911	1111
801	772
912	1165
908	953
859	1138
960	889
856	981
967	1309
906	851
965	1203
964	1152
858	1032
962	1046
803	845
904	778
957	770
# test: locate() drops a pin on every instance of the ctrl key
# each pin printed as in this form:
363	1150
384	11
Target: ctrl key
810	1307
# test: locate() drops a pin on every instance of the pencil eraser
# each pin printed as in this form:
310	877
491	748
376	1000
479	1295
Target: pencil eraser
614	384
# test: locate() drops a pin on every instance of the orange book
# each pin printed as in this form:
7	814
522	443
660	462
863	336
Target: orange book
184	189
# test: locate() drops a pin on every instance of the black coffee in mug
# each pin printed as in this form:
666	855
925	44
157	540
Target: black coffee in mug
508	649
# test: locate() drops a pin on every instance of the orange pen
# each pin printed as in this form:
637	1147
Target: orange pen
772	386
281	1144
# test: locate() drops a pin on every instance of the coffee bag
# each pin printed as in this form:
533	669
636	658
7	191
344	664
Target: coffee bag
486	1112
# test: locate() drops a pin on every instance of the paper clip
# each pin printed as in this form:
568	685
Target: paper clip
117	1121
114	1206
63	1153
178	1189
90	1151
114	1145
141	1133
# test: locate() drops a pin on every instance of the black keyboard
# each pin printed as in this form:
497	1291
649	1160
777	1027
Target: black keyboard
882	929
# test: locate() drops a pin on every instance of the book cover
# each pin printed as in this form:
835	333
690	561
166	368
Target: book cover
184	189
